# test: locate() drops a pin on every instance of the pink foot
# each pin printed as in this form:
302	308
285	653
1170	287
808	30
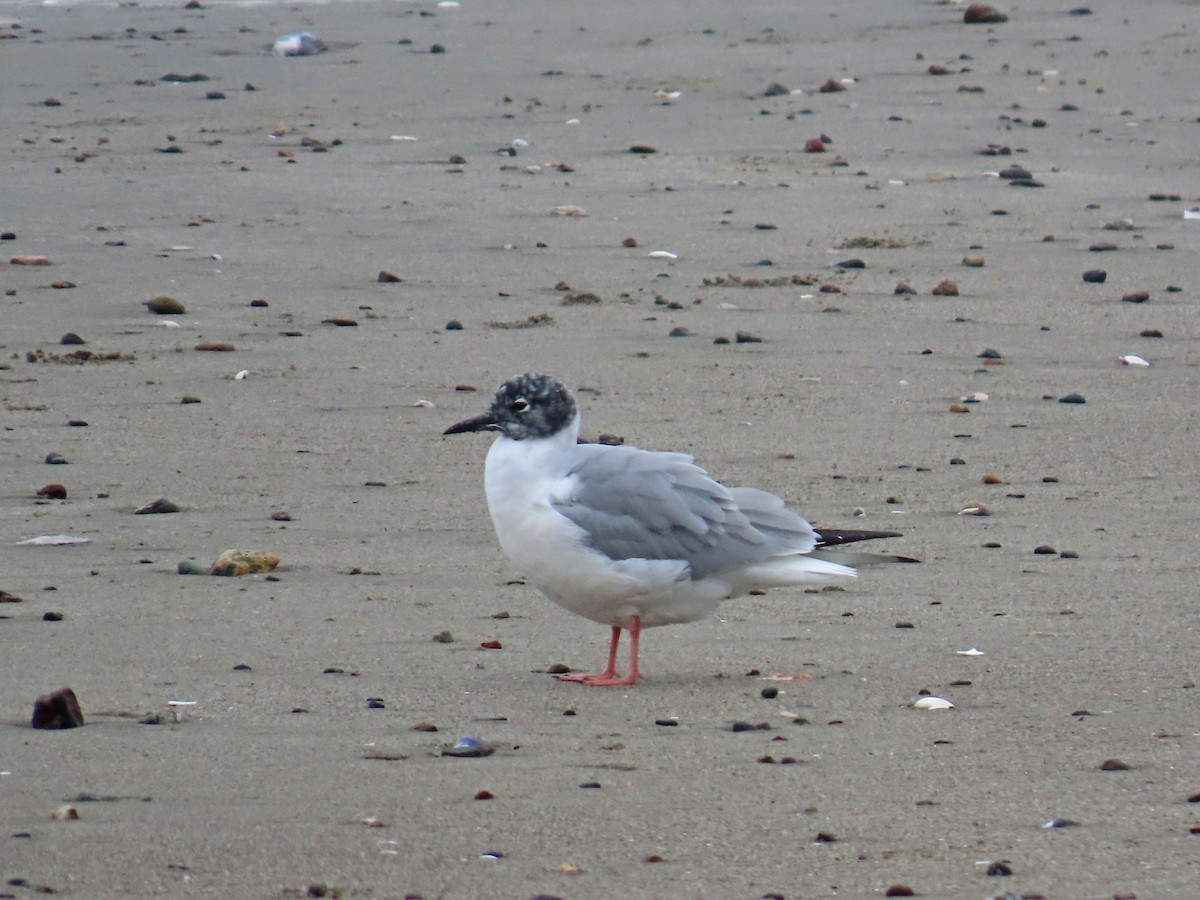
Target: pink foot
609	677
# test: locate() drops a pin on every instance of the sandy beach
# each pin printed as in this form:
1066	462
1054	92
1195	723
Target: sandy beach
699	216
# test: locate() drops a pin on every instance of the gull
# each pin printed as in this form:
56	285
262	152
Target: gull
634	538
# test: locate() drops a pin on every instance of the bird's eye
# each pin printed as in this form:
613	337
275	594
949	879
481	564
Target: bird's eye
519	405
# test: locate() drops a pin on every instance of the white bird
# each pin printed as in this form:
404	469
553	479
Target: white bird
634	538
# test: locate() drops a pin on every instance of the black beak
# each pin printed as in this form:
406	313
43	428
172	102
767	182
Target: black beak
485	422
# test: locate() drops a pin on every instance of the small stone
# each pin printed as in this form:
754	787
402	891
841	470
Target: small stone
983	14
191	567
1095	276
1103	247
899	890
161	506
188	399
679	331
215	348
814	145
1136	297
386	277
1045	550
214	95
55	459
30	261
65	813
1000	868
832	86
281	515
1072	398
1069	554
71	339
234	563
629	242
57	710
945	288
1150	333
974	262
469	748
902	288
989	353
1114	765
745	337
853	263
340	322
454	325
53	492
643	149
52	617
975	508
165	306
775	89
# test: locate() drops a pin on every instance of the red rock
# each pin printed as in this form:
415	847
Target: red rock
831	86
814	145
215	348
53	492
946	288
56	710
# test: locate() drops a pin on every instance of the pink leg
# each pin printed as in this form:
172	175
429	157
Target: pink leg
609	678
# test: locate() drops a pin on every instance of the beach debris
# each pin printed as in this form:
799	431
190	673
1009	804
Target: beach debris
1150	333
165	306
945	288
469	748
54	458
933	703
1193	213
53	492
386	277
302	43
1132	359
65	813
975	508
983	14
1060	823
233	563
54	540
974	651
57	710
1072	398
161	506
662	254
191	567
570	210
30	261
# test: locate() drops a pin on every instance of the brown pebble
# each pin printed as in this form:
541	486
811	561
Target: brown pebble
832	86
902	288
30	261
233	563
974	262
341	323
830	289
643	149
1103	247
935	69
215	347
629	242
62	285
188	398
53	492
1045	550
1150	333
491	645
814	145
945	288
386	277
1114	765
983	14
1136	297
259	303
993	479
959	408
165	306
281	515
900	890
57	710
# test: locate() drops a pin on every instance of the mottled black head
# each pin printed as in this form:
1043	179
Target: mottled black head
527	406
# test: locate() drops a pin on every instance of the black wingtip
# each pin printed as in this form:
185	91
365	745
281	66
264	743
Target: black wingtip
831	537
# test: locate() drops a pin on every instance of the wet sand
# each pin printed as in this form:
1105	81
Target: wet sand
282	781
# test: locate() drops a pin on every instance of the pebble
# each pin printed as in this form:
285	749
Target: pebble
1114	765
1095	276
1072	398
215	347
55	459
30	261
1136	297
1044	550
386	277
902	288
983	14
975	508
165	306
53	492
161	506
191	567
233	563
65	813
57	710
469	748
945	288
71	339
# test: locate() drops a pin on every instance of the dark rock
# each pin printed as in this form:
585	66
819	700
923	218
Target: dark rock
983	14
1072	398
56	710
1095	276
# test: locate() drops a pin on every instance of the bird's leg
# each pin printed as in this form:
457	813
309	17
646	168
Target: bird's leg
609	677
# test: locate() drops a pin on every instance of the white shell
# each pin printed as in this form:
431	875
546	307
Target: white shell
974	651
662	254
54	540
424	404
1132	359
933	703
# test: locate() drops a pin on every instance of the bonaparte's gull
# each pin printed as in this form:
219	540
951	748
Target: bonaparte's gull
633	538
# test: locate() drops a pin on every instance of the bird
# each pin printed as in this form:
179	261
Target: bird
634	538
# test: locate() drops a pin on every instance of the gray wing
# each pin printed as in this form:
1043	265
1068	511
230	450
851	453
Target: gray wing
636	504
